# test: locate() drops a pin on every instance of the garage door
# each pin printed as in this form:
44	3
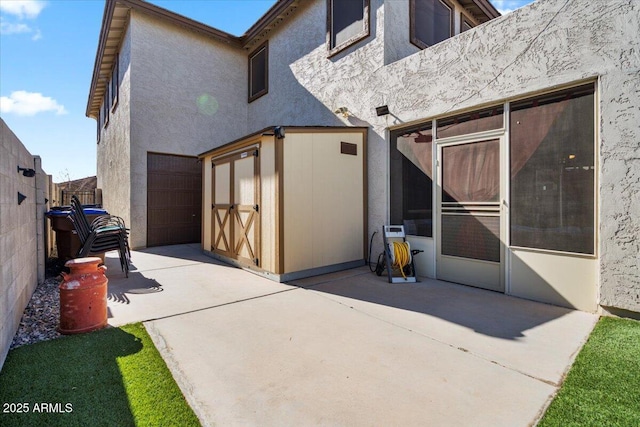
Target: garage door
174	199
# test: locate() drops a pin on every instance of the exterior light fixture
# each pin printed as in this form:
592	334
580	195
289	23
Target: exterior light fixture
279	132
21	198
383	110
344	111
29	173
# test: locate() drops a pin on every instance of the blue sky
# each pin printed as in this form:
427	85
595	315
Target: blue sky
47	51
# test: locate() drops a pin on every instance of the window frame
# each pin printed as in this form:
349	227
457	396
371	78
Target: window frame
98	129
114	89
465	20
559	92
412	23
99	123
405	166
263	47
505	132
366	31
106	107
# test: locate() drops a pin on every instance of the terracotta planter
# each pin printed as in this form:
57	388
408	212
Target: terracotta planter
83	296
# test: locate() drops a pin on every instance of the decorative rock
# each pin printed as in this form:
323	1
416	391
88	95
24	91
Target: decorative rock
40	318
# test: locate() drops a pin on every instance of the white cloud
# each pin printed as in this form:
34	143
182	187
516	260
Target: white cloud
25	103
22	8
9	28
14	11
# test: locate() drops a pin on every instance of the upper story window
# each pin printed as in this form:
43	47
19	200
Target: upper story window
106	107
431	22
465	23
259	72
99	121
115	86
347	23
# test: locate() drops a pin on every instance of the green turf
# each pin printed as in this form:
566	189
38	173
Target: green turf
603	385
112	377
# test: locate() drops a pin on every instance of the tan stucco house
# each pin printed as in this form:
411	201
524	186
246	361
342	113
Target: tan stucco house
509	149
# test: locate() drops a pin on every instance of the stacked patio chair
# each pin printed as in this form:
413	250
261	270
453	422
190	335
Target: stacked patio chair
105	233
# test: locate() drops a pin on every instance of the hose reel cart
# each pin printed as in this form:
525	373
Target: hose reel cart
398	255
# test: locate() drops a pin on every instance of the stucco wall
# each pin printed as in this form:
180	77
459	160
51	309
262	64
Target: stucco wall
288	101
113	159
22	253
620	177
549	43
188	95
396	32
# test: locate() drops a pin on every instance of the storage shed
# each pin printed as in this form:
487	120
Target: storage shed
288	202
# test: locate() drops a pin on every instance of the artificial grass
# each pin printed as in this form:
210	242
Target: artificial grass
603	386
112	377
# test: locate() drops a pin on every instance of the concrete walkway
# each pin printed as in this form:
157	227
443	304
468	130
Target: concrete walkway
346	348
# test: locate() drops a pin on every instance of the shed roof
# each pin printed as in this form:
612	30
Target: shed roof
270	130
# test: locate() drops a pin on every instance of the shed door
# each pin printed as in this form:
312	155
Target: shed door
174	199
235	210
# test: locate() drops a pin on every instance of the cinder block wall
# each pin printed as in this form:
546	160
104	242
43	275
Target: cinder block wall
22	233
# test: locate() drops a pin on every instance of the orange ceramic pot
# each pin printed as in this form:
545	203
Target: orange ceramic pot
83	296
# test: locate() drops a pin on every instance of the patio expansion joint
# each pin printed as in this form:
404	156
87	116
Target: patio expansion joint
423	335
197	310
165	268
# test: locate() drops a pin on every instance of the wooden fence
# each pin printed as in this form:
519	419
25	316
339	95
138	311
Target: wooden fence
86	197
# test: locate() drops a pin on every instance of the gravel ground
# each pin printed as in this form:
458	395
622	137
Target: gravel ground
41	316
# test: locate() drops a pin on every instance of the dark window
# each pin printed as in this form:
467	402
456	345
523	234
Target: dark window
347	23
106	106
411	180
99	122
465	24
259	72
552	171
115	85
98	127
431	22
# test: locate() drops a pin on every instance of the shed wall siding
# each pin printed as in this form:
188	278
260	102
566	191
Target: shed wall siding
268	204
323	200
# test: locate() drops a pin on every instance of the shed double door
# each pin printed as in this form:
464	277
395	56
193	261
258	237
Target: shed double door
235	209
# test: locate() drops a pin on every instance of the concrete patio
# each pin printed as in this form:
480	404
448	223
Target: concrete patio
346	348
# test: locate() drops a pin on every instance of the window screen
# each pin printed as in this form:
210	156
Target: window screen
471	236
258	73
432	22
472	122
552	171
411	183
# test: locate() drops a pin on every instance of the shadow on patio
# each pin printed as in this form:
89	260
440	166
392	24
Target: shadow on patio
485	312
